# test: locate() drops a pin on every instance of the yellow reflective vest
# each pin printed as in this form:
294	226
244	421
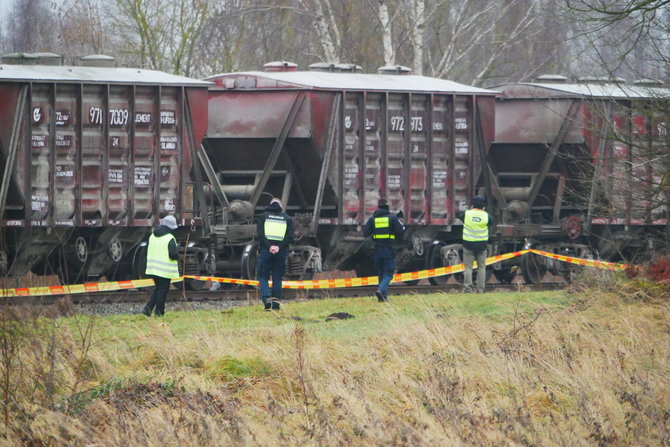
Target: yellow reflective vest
382	229
274	228
158	257
476	226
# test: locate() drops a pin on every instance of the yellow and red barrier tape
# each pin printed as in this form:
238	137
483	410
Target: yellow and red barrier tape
311	284
583	262
79	288
363	281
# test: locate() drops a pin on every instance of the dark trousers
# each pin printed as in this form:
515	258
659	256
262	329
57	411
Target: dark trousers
274	266
158	296
385	264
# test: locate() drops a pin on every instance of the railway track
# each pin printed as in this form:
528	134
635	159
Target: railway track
237	296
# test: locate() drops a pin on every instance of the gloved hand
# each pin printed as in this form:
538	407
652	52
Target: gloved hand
274	249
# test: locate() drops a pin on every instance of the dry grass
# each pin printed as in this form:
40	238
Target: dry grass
593	372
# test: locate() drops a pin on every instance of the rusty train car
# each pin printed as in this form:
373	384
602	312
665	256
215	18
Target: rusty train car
330	142
91	157
576	168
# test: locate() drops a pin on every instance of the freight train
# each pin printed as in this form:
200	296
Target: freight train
93	156
577	168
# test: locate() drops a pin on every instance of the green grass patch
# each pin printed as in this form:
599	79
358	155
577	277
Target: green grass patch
231	368
79	401
370	316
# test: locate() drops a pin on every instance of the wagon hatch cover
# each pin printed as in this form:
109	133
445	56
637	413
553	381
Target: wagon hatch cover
611	90
360	81
110	75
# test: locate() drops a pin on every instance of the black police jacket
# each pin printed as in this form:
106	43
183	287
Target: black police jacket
276	211
396	228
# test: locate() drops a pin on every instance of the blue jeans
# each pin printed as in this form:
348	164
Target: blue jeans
274	266
385	263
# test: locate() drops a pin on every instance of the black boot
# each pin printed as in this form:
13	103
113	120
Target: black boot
380	297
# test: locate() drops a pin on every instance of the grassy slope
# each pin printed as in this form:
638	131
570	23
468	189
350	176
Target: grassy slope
548	368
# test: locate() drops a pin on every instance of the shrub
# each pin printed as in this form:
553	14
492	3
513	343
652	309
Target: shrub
659	270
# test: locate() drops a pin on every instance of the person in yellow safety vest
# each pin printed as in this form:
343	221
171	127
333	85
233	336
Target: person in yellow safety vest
162	264
476	224
385	229
274	229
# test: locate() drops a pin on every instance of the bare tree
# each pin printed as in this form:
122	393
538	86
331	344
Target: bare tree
630	39
325	27
469	38
81	29
160	35
625	38
471	41
31	26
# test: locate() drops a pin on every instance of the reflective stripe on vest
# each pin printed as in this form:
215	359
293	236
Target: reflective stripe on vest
275	228
158	257
382	224
475	226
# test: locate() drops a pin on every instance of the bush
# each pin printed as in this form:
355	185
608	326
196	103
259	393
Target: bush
648	281
659	270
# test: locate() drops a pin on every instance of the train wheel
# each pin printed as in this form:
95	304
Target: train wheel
71	260
533	266
197	261
115	270
296	267
81	249
249	260
435	260
453	255
140	261
116	249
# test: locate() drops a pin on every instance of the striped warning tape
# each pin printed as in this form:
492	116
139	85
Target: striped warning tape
79	288
363	281
584	262
311	284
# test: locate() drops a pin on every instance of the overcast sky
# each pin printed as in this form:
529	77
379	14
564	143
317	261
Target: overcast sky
4	6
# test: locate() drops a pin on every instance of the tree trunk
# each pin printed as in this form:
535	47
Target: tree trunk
326	30
387	39
418	11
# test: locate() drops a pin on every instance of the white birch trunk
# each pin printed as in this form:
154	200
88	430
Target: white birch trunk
417	35
387	38
328	46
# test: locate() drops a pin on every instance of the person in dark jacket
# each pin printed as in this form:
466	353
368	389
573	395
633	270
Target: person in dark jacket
274	229
476	226
385	228
162	264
